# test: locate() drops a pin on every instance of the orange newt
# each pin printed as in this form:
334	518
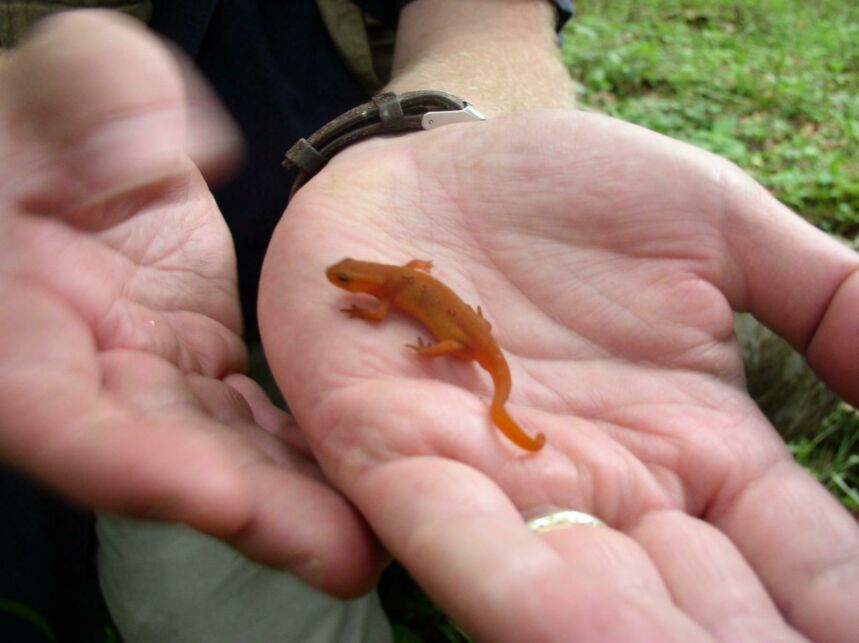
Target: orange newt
460	330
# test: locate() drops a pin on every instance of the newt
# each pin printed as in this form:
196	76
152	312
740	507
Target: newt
460	330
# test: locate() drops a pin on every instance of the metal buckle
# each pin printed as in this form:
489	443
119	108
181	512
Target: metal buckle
431	120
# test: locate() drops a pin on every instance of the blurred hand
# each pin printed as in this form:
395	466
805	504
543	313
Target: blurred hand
120	329
609	261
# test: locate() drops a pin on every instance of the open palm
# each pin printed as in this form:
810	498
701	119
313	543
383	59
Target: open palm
609	261
120	328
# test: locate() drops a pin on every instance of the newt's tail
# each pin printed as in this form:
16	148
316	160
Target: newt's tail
501	378
513	431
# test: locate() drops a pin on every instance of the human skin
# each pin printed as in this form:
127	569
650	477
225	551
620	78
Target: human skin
120	330
501	55
609	261
121	353
159	423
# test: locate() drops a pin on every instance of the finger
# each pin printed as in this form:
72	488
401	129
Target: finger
709	579
295	520
464	542
303	525
179	467
604	552
57	425
267	415
802	544
229	407
795	279
833	351
110	110
97	452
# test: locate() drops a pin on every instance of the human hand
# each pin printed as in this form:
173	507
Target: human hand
609	260
120	329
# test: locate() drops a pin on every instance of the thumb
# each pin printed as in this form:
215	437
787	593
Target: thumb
99	105
796	279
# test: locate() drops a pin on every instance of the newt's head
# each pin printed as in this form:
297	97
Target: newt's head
356	276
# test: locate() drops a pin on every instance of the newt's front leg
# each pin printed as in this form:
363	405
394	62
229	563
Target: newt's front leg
444	347
365	313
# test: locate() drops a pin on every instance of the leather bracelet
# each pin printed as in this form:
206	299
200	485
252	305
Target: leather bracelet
384	114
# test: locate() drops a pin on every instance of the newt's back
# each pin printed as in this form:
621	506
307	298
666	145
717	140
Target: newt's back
441	310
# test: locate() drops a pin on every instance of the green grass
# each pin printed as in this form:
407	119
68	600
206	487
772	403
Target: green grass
832	456
16	609
773	86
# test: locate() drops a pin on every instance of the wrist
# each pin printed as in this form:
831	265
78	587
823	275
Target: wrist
503	55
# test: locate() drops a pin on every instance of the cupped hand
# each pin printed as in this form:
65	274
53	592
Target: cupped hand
609	261
120	328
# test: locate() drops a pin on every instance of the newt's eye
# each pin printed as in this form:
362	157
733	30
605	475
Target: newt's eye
342	277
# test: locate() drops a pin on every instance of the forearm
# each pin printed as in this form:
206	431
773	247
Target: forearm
500	55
